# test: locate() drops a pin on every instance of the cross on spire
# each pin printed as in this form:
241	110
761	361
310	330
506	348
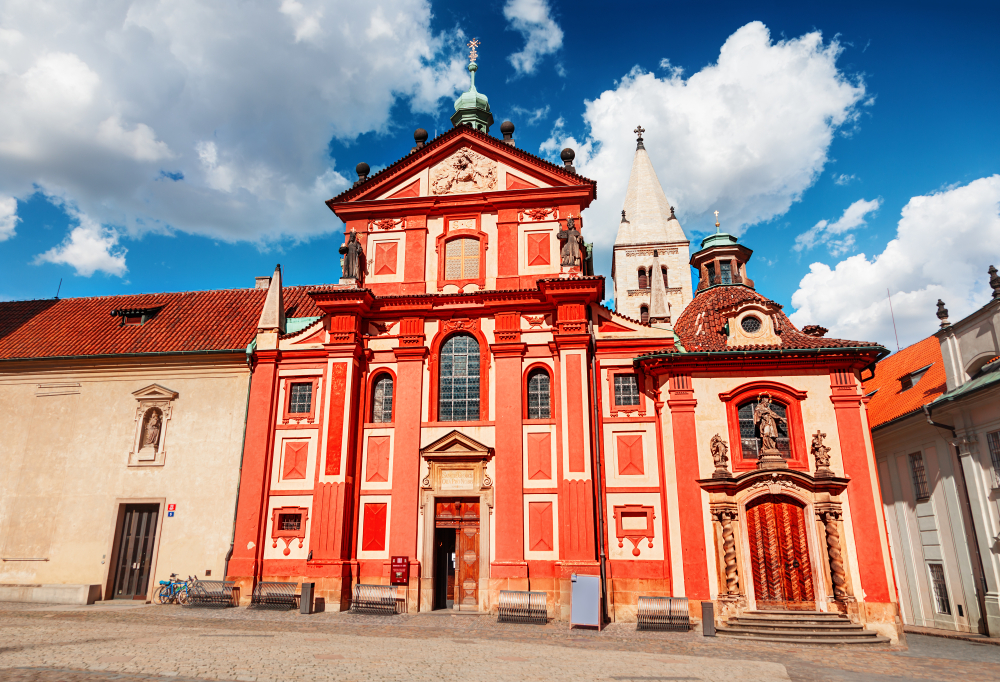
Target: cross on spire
473	44
639	131
716	221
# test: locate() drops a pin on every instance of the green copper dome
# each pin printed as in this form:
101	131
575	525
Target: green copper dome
472	107
718	239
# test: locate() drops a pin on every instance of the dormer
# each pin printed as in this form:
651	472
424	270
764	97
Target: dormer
752	323
721	261
135	317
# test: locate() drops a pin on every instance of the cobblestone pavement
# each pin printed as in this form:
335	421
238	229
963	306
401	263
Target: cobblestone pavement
159	643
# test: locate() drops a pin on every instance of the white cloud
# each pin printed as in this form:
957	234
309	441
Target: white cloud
90	247
8	217
945	241
542	35
827	233
532	116
746	135
235	102
844	179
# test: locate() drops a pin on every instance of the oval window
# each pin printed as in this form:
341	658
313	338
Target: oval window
751	324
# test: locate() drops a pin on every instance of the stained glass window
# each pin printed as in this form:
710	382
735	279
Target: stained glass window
382	400
626	389
750	440
300	401
458	391
539	398
461	259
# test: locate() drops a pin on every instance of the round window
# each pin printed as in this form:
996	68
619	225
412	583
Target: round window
751	324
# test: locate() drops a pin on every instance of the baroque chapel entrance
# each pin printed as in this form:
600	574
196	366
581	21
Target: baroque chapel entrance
779	554
456	553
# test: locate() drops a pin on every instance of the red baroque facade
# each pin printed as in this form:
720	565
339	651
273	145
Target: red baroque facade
472	406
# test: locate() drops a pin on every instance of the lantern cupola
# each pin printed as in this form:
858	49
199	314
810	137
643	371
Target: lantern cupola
472	107
722	260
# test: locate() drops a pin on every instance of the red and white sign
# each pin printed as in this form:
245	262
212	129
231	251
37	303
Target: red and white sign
171	507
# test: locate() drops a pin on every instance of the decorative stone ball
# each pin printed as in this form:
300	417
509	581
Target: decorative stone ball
420	135
362	169
507	128
567	155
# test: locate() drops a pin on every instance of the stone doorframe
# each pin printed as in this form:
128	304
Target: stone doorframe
729	498
455	466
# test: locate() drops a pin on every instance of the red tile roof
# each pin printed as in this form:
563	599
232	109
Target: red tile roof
700	325
186	321
891	401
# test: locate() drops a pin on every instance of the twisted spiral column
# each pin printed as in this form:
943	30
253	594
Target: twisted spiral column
729	551
838	575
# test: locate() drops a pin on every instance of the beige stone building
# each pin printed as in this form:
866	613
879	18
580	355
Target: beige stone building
122	422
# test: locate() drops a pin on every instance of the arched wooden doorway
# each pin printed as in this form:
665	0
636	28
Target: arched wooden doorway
779	553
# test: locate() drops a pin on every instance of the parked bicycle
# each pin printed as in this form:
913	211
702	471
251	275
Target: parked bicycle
173	591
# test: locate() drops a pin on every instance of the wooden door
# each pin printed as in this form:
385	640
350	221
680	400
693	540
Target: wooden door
463	515
135	551
779	554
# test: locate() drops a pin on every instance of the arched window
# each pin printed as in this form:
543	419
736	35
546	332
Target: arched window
643	279
663	270
461	259
458	388
751	438
644	314
382	400
539	395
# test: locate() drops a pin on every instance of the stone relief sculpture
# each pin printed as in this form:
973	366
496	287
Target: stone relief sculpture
572	244
822	455
353	265
719	449
464	171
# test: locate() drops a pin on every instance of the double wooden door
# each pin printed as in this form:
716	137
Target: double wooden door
462	516
779	554
134	560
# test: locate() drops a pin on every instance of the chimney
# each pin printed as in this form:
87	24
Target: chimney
262	282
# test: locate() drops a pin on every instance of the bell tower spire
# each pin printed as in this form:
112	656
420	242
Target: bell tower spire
472	107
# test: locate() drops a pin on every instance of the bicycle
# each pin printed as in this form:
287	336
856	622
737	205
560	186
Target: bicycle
172	591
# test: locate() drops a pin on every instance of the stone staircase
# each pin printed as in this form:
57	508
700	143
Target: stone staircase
799	627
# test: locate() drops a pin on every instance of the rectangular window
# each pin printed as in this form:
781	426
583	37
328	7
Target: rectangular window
711	274
290	521
626	389
461	259
300	401
920	488
905	383
993	441
941	601
726	271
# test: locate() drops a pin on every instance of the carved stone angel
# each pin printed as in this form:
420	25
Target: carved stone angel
572	244
719	449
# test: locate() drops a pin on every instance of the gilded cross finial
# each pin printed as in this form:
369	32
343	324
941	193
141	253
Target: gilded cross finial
716	221
639	131
473	44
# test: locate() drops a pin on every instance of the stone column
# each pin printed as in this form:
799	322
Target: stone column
726	517
831	519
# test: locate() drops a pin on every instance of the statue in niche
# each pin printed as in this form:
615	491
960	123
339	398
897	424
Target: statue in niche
464	171
353	265
151	431
572	244
767	419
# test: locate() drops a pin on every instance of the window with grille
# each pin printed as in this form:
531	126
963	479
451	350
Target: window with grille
290	521
458	391
461	259
539	395
626	389
644	314
300	401
726	272
993	441
643	279
941	601
750	440
382	400
920	488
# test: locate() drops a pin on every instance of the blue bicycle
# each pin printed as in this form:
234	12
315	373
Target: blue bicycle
173	591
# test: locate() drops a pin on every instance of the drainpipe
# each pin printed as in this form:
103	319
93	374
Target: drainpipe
239	479
598	485
980	578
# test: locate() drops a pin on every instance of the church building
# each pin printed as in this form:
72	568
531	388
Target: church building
463	411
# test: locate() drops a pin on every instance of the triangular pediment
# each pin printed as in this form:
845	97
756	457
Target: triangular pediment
456	446
154	392
462	160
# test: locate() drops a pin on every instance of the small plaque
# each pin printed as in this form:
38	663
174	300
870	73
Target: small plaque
457	479
171	507
464	224
399	570
170	514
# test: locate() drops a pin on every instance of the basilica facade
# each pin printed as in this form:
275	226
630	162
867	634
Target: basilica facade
463	415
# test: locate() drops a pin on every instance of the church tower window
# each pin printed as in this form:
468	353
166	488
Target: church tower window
643	279
644	314
726	272
382	400
663	271
711	273
458	392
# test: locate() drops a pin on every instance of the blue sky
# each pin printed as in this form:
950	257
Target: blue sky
853	146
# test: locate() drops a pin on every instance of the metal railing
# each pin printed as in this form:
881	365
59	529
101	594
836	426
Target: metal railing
516	606
664	613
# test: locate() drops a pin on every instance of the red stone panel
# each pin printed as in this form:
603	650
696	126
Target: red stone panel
540	526
538	249
373	539
378	459
385	258
539	456
630	455
574	398
295	457
335	435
